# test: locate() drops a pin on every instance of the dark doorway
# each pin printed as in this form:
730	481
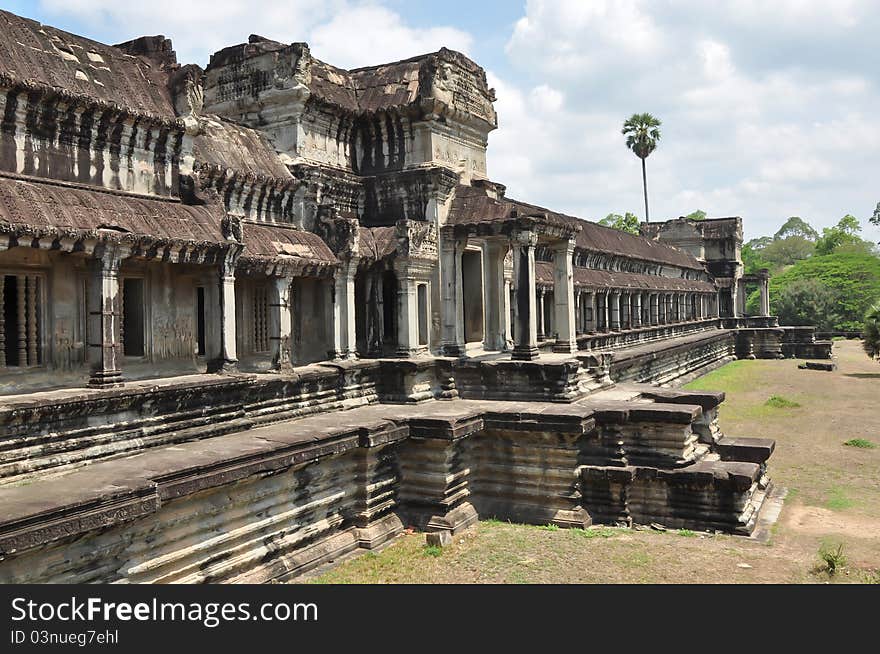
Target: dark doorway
200	320
389	309
10	316
133	317
472	295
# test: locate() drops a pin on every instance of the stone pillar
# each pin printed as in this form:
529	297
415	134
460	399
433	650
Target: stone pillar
227	358
105	317
280	324
526	344
344	334
614	317
451	291
765	296
593	315
495	336
637	314
508	327
563	297
407	314
542	325
655	308
578	312
606	310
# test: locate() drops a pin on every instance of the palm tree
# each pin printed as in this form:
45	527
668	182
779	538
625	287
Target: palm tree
642	132
872	332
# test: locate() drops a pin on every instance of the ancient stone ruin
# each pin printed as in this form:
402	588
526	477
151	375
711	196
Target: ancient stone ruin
257	316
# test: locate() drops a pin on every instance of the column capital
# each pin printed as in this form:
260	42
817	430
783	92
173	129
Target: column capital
525	238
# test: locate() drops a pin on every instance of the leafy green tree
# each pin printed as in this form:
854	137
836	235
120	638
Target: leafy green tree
796	226
807	302
872	332
844	234
786	251
628	223
642	133
699	214
752	254
875	219
853	277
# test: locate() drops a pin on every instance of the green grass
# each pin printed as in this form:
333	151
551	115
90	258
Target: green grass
433	550
735	376
838	499
860	443
687	533
550	527
779	402
600	532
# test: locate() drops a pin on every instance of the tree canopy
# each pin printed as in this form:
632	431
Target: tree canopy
872	331
853	278
642	133
796	226
842	235
699	214
626	223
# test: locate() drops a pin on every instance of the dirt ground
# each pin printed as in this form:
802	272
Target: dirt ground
833	499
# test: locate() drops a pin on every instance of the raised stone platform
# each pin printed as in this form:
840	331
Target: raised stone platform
275	500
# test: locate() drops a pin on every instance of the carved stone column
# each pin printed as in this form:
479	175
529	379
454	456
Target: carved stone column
606	311
451	295
280	324
407	312
344	334
494	253
637	314
765	296
563	297
105	316
614	318
542	323
526	343
227	361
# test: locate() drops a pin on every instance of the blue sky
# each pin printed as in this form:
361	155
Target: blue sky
769	108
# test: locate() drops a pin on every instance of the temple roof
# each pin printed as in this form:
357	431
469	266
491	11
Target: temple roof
280	243
399	84
42	208
472	205
48	59
623	280
225	145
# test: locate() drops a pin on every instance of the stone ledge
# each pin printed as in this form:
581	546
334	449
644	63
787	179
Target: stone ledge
752	450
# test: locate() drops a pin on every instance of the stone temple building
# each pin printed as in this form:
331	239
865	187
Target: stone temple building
258	315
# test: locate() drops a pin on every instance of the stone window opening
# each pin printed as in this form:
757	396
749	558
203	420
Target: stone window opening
21	320
260	320
132	327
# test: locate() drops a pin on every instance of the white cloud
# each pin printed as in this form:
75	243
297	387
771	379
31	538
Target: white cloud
346	33
370	34
756	121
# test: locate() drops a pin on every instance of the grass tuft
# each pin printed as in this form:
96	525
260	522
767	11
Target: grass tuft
779	402
600	532
833	558
838	500
687	533
433	550
550	527
861	443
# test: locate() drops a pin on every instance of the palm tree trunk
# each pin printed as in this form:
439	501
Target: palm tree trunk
645	187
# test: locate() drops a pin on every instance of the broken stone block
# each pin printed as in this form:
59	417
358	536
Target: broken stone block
818	365
439	538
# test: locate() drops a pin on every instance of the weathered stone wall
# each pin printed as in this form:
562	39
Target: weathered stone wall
64	141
